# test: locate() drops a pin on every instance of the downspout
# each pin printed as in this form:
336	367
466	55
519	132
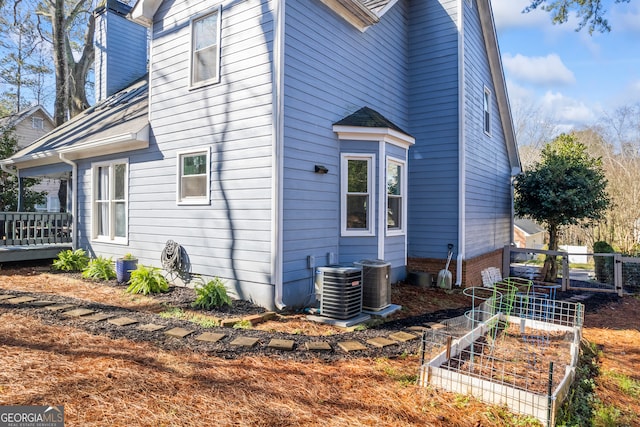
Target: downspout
277	163
74	200
461	147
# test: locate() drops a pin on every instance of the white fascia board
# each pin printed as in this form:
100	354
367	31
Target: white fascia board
386	8
143	11
360	133
115	144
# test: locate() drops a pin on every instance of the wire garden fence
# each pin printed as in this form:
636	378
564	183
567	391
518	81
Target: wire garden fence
513	348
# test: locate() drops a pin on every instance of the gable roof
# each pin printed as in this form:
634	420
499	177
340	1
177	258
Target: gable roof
15	119
527	225
118	123
499	82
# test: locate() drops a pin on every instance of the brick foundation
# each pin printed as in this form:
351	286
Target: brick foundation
471	268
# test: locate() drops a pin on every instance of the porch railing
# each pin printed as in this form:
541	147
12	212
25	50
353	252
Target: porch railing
34	228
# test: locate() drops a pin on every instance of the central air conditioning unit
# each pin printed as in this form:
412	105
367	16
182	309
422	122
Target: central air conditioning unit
376	284
340	291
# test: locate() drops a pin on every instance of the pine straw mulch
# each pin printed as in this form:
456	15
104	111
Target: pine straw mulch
105	380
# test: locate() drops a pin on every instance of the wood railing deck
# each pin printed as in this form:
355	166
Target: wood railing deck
34	228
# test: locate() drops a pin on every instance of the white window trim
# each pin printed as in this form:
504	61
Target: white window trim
403	194
194	85
371	159
94	220
38	120
486	96
193	201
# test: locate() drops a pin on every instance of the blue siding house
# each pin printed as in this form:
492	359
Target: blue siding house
271	137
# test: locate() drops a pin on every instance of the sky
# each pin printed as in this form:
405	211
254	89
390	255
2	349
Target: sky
569	77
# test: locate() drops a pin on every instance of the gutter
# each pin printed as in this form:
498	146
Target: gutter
461	148
74	200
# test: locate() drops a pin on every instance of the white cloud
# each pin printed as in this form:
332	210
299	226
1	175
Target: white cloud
508	14
568	111
625	17
540	70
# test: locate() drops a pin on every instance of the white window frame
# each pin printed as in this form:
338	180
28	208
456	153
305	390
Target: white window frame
486	111
111	238
216	79
39	121
400	231
344	185
204	200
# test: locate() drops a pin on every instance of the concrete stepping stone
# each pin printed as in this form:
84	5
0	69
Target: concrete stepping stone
42	303
381	342
98	317
151	327
78	312
178	332
350	346
279	344
245	341
318	346
418	329
59	307
4	297
20	300
210	337
122	321
403	336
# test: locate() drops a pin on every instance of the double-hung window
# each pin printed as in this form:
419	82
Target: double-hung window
205	49
194	176
110	188
486	114
395	196
357	193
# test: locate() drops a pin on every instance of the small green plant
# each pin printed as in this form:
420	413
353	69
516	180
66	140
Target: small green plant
173	313
243	324
71	260
128	257
147	280
99	269
211	294
625	383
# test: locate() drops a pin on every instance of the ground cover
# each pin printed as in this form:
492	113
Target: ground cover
104	379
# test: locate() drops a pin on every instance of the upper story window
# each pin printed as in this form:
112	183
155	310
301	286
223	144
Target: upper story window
193	177
205	49
395	196
110	199
486	116
37	123
357	195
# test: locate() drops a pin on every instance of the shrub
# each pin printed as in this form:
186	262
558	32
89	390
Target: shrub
99	269
71	260
147	280
603	264
211	294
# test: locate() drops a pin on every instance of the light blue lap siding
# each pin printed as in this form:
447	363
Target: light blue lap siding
331	70
488	199
433	101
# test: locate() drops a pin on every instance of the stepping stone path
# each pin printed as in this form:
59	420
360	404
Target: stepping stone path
73	311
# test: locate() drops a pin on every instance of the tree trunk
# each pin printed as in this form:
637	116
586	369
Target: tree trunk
59	61
550	269
77	95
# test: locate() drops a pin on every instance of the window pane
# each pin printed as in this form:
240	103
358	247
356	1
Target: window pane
194	165
394	212
103	219
393	179
193	186
103	183
357	211
358	176
205	64
205	31
120	173
120	219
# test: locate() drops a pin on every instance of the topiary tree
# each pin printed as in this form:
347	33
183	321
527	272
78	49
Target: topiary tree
567	186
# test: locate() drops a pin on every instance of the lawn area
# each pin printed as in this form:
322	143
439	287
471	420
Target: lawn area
103	380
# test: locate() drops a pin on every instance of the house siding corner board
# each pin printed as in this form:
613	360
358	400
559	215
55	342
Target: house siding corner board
230	237
488	200
433	101
331	70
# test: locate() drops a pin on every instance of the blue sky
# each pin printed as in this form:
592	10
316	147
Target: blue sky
570	78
